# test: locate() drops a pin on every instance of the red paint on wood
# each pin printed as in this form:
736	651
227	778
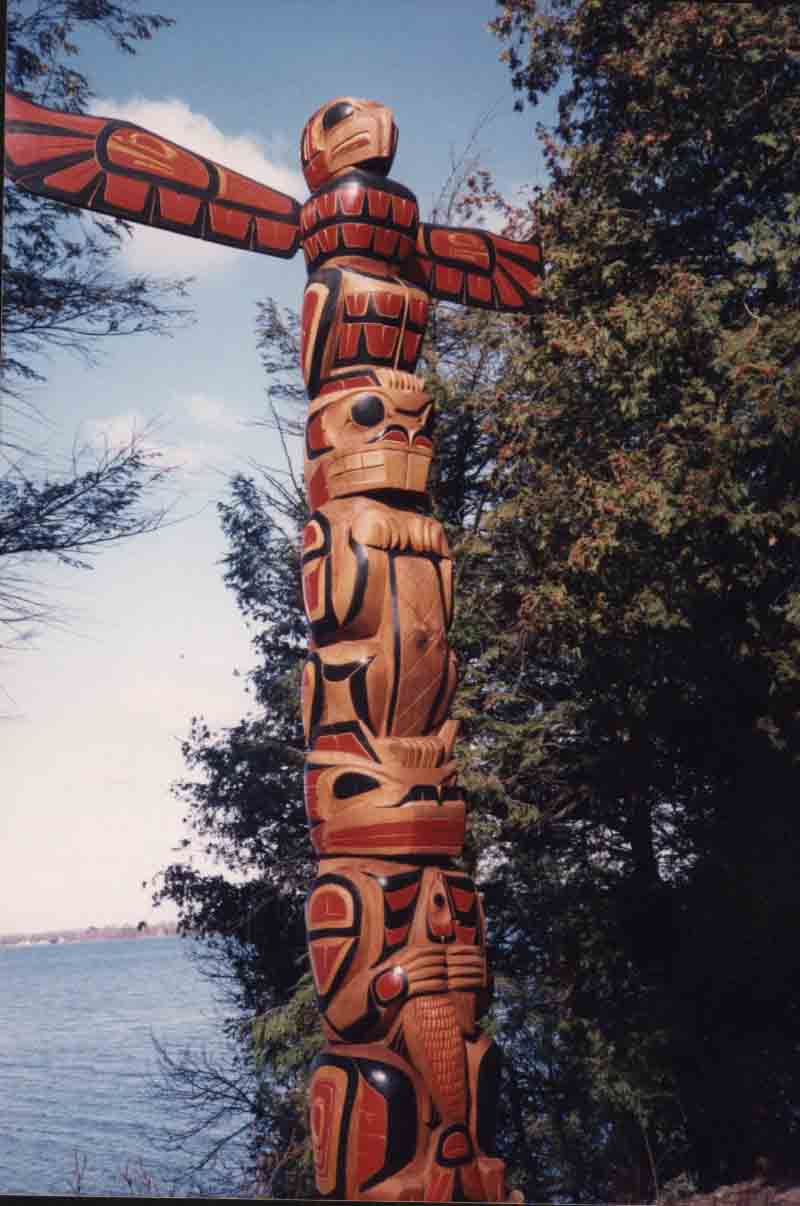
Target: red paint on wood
449	279
347	348
396	934
326	205
387	304
372	1114
439	1186
418	311
351	199
325	956
508	294
318	493
74	179
378	202
455	1146
424	835
357	304
17	109
403	211
385	241
381	340
389	986
139	150
462	245
228	222
479	288
530	282
310	794
125	193
178	207
26	148
315	436
277	236
411	343
462	900
245	191
356	234
342	383
311	591
346	743
311	301
328	907
529	251
328	238
401	898
310	535
323	1099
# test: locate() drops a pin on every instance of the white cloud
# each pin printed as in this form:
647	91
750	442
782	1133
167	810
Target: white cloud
116	431
162	251
194	458
210	412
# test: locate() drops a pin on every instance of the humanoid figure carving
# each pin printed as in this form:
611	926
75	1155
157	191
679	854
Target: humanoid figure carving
402	1101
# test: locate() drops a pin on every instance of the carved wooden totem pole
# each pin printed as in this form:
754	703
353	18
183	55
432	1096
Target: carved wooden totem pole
403	1098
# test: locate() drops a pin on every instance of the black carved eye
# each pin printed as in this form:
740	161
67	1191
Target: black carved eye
335	114
368	410
353	784
420	791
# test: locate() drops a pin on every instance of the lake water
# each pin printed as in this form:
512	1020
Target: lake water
77	1061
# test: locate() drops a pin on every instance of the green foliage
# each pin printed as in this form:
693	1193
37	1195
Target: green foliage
244	802
69	518
619	482
61	289
645	509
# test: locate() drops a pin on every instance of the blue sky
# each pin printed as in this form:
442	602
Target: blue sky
96	709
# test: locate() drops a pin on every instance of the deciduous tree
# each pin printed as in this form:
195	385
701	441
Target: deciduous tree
61	285
645	543
62	290
619	477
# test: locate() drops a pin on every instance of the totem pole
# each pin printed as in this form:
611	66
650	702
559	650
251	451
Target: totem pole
403	1098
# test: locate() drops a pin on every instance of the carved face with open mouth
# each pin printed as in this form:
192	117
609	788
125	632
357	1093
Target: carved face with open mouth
370	438
348	132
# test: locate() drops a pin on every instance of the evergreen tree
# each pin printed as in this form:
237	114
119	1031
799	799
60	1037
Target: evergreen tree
619	481
62	290
644	553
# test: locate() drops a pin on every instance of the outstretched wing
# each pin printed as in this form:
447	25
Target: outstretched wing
117	168
477	268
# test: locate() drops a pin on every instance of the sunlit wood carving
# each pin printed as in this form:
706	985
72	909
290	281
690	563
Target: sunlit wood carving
403	1099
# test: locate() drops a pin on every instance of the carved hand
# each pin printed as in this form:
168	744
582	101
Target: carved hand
412	972
466	966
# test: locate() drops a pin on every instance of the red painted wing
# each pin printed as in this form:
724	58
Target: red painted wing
117	168
477	268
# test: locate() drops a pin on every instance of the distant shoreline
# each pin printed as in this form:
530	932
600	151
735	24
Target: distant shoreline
92	933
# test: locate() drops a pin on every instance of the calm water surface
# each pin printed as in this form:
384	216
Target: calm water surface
76	1056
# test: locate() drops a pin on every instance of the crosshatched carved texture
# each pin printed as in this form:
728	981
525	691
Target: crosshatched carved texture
402	1101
